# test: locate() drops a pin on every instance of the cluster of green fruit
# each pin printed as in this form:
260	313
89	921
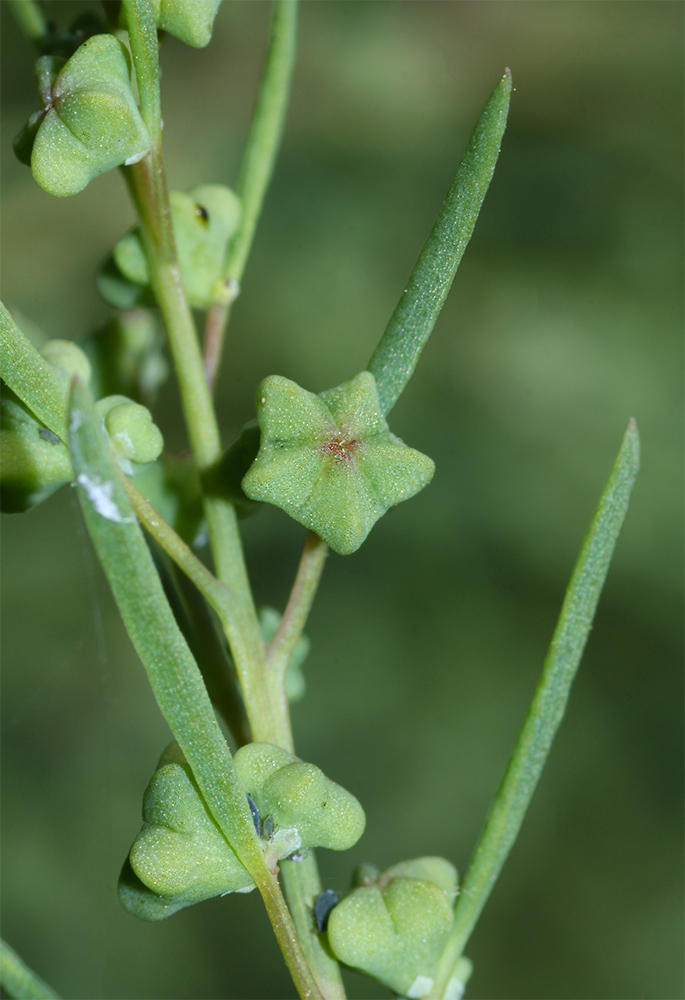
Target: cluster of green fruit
392	926
34	461
329	461
89	121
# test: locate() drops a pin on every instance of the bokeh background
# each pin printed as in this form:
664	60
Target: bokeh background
564	321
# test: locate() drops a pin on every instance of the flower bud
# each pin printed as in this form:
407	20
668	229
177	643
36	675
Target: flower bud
330	461
89	121
394	927
133	435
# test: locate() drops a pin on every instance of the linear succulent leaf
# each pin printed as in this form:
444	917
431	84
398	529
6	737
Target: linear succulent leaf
415	315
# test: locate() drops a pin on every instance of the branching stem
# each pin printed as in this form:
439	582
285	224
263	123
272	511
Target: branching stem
299	604
257	164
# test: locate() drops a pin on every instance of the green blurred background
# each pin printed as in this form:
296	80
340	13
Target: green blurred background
565	320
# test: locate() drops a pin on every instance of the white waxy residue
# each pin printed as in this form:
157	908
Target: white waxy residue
100	495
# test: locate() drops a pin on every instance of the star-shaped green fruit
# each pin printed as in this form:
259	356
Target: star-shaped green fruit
330	461
89	121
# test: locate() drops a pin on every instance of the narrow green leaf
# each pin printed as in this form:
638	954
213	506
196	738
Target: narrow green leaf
18	980
173	673
548	706
412	322
31	377
265	134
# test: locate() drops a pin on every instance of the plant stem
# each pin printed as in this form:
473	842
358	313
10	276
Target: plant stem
148	186
547	708
301	878
147	182
173	673
288	939
18	980
302	885
415	315
299	604
216	592
215	329
257	163
30	18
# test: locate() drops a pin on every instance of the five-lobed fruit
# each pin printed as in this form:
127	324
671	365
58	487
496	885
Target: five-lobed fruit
330	461
393	926
180	856
89	121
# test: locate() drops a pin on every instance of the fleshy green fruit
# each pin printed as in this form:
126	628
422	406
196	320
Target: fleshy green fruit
89	122
191	21
204	222
394	928
179	857
298	796
330	461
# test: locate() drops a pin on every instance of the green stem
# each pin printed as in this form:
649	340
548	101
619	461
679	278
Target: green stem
18	980
415	315
299	604
301	878
302	885
147	182
265	133
548	706
149	190
173	674
30	18
258	162
216	592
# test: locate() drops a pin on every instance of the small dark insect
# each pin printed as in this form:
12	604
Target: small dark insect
268	827
48	435
323	904
202	213
255	814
